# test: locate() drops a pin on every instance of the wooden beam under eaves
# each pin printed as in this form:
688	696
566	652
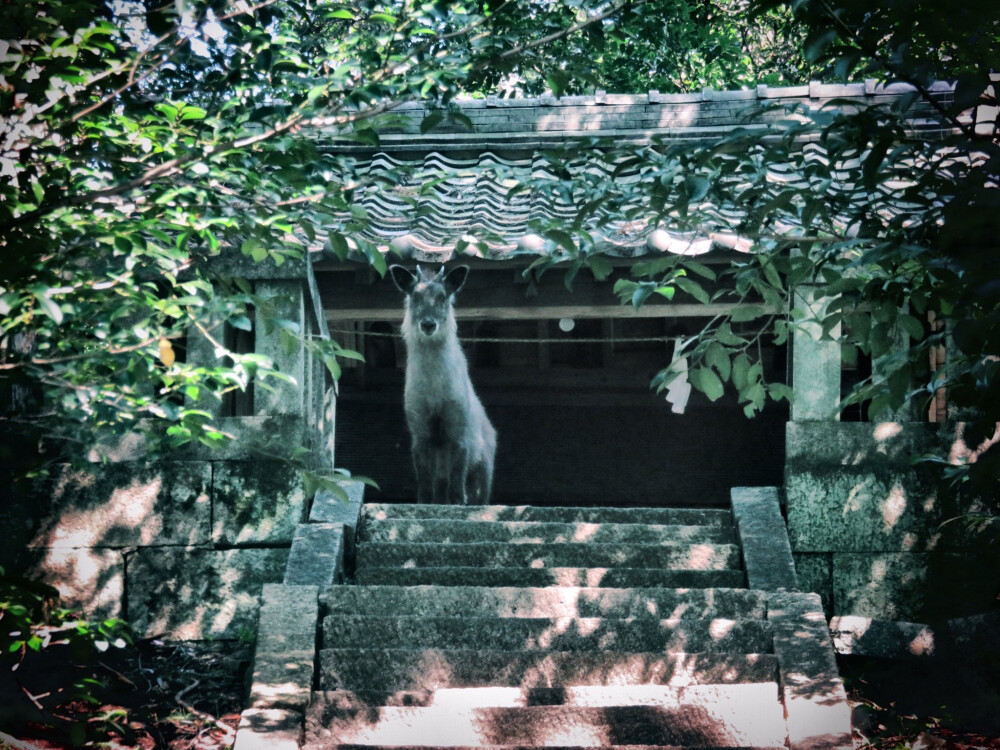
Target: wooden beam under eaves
527	311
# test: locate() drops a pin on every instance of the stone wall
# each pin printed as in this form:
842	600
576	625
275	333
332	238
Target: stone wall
179	547
867	523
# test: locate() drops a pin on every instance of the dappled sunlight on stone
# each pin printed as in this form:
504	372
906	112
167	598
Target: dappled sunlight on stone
223	618
886	431
893	507
702	557
547	638
132	507
90	579
856	498
463	699
720	628
595	576
585	532
865	636
878	570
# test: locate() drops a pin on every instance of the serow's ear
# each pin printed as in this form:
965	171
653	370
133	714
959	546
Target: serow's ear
454	280
403	279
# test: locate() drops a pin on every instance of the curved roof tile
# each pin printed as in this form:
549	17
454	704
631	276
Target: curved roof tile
470	201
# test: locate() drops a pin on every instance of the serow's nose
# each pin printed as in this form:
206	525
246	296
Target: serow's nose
428	326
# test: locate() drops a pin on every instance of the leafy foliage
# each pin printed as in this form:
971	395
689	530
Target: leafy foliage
36	630
140	140
664	45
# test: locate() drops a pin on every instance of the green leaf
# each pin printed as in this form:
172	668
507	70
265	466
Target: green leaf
50	308
332	365
700	268
741	371
743	313
912	326
339	245
666	291
696	186
192	113
599	266
724	335
254	248
693	288
557	81
717	356
430	122
561	238
846	63
706	381
640	295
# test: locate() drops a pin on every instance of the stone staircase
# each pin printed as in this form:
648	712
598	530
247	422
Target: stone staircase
534	627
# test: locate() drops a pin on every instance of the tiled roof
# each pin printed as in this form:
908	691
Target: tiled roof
473	170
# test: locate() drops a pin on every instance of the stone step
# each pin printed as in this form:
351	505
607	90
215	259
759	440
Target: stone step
541	577
670	555
748	715
481	601
333	745
537	532
555	514
514	697
555	634
390	670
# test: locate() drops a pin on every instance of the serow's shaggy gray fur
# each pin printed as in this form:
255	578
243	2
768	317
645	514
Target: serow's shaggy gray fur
453	442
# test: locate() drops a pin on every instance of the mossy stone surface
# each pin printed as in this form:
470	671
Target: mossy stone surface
916	587
114	506
199	594
857	487
256	502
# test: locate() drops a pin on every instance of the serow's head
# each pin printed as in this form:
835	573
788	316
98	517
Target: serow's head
429	297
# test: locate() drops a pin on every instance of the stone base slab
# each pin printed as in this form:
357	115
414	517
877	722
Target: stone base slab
196	593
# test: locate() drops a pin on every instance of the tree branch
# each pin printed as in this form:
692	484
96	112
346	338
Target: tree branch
873	53
614	9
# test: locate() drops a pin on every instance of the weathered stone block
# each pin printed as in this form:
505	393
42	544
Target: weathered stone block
330	508
917	587
282	680
89	580
766	552
317	555
256	501
888	639
289	616
116	505
816	706
814	572
197	594
251	437
854	487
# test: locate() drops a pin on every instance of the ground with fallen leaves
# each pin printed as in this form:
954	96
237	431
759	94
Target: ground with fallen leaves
167	696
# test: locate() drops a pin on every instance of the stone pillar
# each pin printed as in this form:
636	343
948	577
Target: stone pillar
288	300
815	361
201	351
